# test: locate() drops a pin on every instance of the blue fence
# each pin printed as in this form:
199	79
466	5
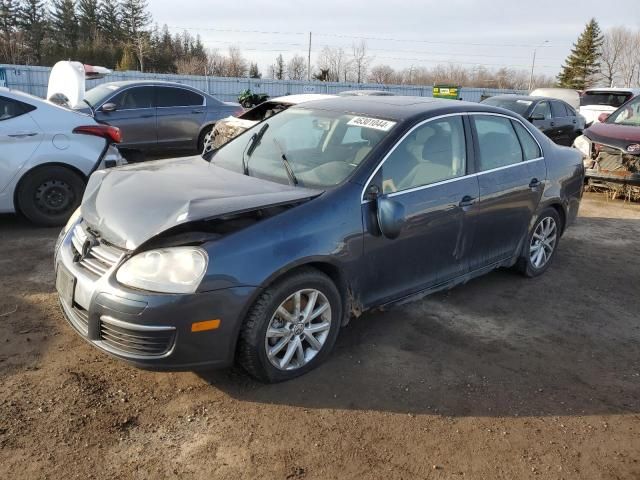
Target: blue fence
34	80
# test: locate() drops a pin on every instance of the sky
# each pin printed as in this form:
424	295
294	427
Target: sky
403	33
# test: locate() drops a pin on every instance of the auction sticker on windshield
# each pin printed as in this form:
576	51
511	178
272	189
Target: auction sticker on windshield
375	123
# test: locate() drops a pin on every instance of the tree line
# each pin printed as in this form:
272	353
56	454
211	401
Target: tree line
120	34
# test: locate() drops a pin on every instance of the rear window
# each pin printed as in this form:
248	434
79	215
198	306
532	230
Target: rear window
609	99
519	106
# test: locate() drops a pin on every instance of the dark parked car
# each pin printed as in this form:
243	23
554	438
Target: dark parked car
157	116
611	149
555	118
321	212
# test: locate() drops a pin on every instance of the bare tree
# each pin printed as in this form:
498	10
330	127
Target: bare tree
612	52
217	64
278	70
297	68
334	61
190	66
237	65
630	61
360	61
382	74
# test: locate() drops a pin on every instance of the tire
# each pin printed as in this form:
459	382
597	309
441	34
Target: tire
265	312
531	264
48	196
203	138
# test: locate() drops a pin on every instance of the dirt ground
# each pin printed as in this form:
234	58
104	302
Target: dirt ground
503	378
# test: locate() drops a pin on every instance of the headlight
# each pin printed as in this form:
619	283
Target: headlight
583	144
166	270
73	219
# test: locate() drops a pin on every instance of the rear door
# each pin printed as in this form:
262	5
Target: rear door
563	126
426	172
511	176
135	116
19	137
181	113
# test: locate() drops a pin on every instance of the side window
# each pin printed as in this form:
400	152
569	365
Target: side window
558	110
497	140
570	111
11	108
137	97
529	145
542	110
178	97
433	152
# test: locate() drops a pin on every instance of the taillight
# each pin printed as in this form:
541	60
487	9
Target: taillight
112	134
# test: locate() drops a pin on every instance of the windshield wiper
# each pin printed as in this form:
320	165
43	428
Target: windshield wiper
287	166
251	146
93	113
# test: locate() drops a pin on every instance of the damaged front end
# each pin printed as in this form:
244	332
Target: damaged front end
614	170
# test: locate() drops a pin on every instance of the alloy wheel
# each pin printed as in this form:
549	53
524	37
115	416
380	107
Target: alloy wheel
298	329
543	242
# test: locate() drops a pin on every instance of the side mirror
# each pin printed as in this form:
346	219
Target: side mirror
537	116
603	117
108	107
391	216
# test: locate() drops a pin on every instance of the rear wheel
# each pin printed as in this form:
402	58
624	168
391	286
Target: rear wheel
542	244
49	195
291	328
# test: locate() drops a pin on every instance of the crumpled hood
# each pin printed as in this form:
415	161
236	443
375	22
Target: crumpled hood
129	205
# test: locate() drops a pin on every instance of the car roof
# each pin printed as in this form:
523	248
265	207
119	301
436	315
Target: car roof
397	108
528	98
635	91
163	83
347	93
300	98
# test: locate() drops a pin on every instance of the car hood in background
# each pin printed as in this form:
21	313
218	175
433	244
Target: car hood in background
620	136
129	205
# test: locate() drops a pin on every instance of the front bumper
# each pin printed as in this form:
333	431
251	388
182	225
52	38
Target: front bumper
148	330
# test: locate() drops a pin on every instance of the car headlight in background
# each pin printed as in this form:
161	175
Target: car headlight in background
583	144
166	270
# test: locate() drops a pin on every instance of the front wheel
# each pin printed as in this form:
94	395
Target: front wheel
204	140
291	328
49	195
542	244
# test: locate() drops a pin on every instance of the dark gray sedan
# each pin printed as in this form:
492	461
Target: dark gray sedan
555	118
157	116
261	252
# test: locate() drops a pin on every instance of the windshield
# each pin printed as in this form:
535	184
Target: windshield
310	148
515	105
608	99
96	95
627	115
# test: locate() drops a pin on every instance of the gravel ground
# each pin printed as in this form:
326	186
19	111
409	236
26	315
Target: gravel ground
503	378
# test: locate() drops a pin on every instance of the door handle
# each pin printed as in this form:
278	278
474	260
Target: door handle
22	134
534	183
553	124
467	201
197	111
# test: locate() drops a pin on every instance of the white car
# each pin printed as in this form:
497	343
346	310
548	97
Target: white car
596	101
47	153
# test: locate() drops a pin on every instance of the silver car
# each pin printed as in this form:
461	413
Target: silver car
47	153
157	116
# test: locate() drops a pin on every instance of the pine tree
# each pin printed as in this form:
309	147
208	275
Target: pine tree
128	61
134	16
65	24
583	63
8	10
279	68
34	23
253	71
88	20
109	22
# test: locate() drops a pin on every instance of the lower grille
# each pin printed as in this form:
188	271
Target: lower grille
77	316
136	340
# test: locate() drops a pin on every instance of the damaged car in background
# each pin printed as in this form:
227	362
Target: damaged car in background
231	127
611	149
261	251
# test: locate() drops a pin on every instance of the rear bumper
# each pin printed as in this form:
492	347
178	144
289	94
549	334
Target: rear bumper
148	330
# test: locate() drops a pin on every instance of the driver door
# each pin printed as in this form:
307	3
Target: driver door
427	174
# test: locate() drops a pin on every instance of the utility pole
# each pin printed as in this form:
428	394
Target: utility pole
533	63
309	61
